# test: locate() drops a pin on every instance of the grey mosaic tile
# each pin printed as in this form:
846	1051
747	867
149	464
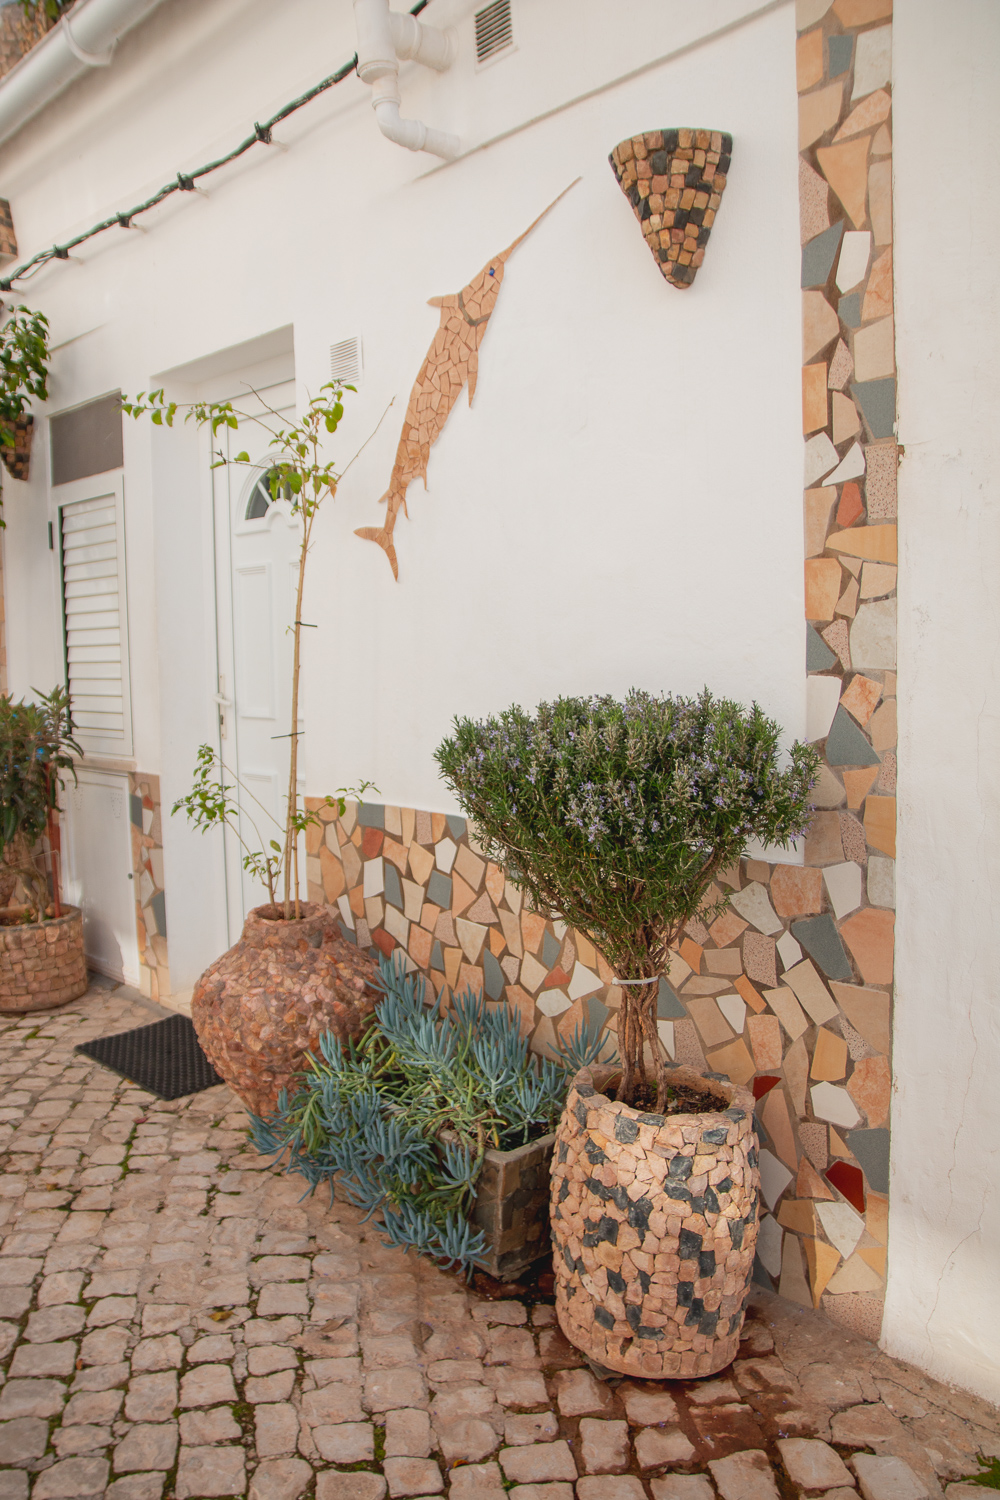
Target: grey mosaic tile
877	400
849	309
846	745
393	889
839	53
819	254
493	976
819	938
819	657
668	1007
439	889
871	1147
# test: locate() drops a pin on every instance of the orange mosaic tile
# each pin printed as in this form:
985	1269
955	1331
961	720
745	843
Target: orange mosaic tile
870	1087
846	170
869	936
880	824
796	891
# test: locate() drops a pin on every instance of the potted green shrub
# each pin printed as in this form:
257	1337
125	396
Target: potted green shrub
442	1123
24	356
617	816
261	1007
42	960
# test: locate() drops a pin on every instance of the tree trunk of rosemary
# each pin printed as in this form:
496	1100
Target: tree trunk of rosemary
636	1026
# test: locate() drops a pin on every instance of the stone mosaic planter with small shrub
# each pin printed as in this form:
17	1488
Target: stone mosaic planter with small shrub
42	964
617	817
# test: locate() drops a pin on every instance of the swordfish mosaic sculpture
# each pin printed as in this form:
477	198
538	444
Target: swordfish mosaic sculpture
452	361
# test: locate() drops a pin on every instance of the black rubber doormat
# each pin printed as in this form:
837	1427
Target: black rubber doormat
164	1059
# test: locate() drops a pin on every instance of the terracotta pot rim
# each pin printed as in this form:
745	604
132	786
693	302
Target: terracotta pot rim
739	1097
67	911
310	911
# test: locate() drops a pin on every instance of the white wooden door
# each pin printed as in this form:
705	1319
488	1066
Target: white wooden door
258	555
98	870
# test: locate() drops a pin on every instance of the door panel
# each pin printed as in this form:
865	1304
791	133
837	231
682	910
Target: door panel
257	548
99	871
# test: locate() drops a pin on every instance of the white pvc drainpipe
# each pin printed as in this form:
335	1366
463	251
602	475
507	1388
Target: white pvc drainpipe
84	38
384	39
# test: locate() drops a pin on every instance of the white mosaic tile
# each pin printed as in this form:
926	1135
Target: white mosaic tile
834	1104
851	467
822	697
788	949
774	1177
842	1225
843	885
855	252
872	61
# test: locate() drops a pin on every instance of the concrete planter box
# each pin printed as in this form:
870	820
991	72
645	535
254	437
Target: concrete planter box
512	1207
42	964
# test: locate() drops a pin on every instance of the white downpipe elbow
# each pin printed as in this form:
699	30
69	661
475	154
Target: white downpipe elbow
414	134
423	44
383	39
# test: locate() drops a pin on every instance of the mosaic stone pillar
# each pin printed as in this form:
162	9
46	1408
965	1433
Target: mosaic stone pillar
146	820
654	1224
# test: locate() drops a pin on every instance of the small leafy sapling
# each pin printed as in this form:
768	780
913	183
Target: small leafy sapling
619	816
298	472
209	804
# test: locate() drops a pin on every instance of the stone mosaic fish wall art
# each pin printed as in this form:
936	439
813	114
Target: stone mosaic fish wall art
451	363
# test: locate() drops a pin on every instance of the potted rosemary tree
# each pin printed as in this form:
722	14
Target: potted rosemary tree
261	1008
617	816
42	961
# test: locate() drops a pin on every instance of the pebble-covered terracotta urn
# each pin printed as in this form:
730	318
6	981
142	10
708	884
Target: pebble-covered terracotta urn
263	1005
654	1225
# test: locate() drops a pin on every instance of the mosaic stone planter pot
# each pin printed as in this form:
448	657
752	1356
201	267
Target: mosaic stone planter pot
674	180
42	964
18	458
261	1007
654	1225
512	1207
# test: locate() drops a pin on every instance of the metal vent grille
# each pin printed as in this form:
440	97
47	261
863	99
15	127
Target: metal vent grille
346	362
494	31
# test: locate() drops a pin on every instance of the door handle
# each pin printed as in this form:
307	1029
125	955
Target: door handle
223	703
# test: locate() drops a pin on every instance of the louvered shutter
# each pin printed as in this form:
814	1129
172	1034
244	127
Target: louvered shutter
94	612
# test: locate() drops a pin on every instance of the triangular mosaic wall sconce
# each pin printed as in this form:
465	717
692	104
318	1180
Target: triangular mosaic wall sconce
674	180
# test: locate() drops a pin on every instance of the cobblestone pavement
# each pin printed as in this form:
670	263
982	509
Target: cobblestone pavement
176	1322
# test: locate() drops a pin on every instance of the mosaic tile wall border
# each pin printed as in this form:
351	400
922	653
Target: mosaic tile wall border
147	873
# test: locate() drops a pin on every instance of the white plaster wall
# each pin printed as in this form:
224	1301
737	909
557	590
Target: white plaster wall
622	504
943	1302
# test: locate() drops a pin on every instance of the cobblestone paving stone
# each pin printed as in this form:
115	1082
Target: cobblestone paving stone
176	1321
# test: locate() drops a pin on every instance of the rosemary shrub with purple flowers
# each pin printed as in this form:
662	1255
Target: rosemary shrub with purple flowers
617	817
